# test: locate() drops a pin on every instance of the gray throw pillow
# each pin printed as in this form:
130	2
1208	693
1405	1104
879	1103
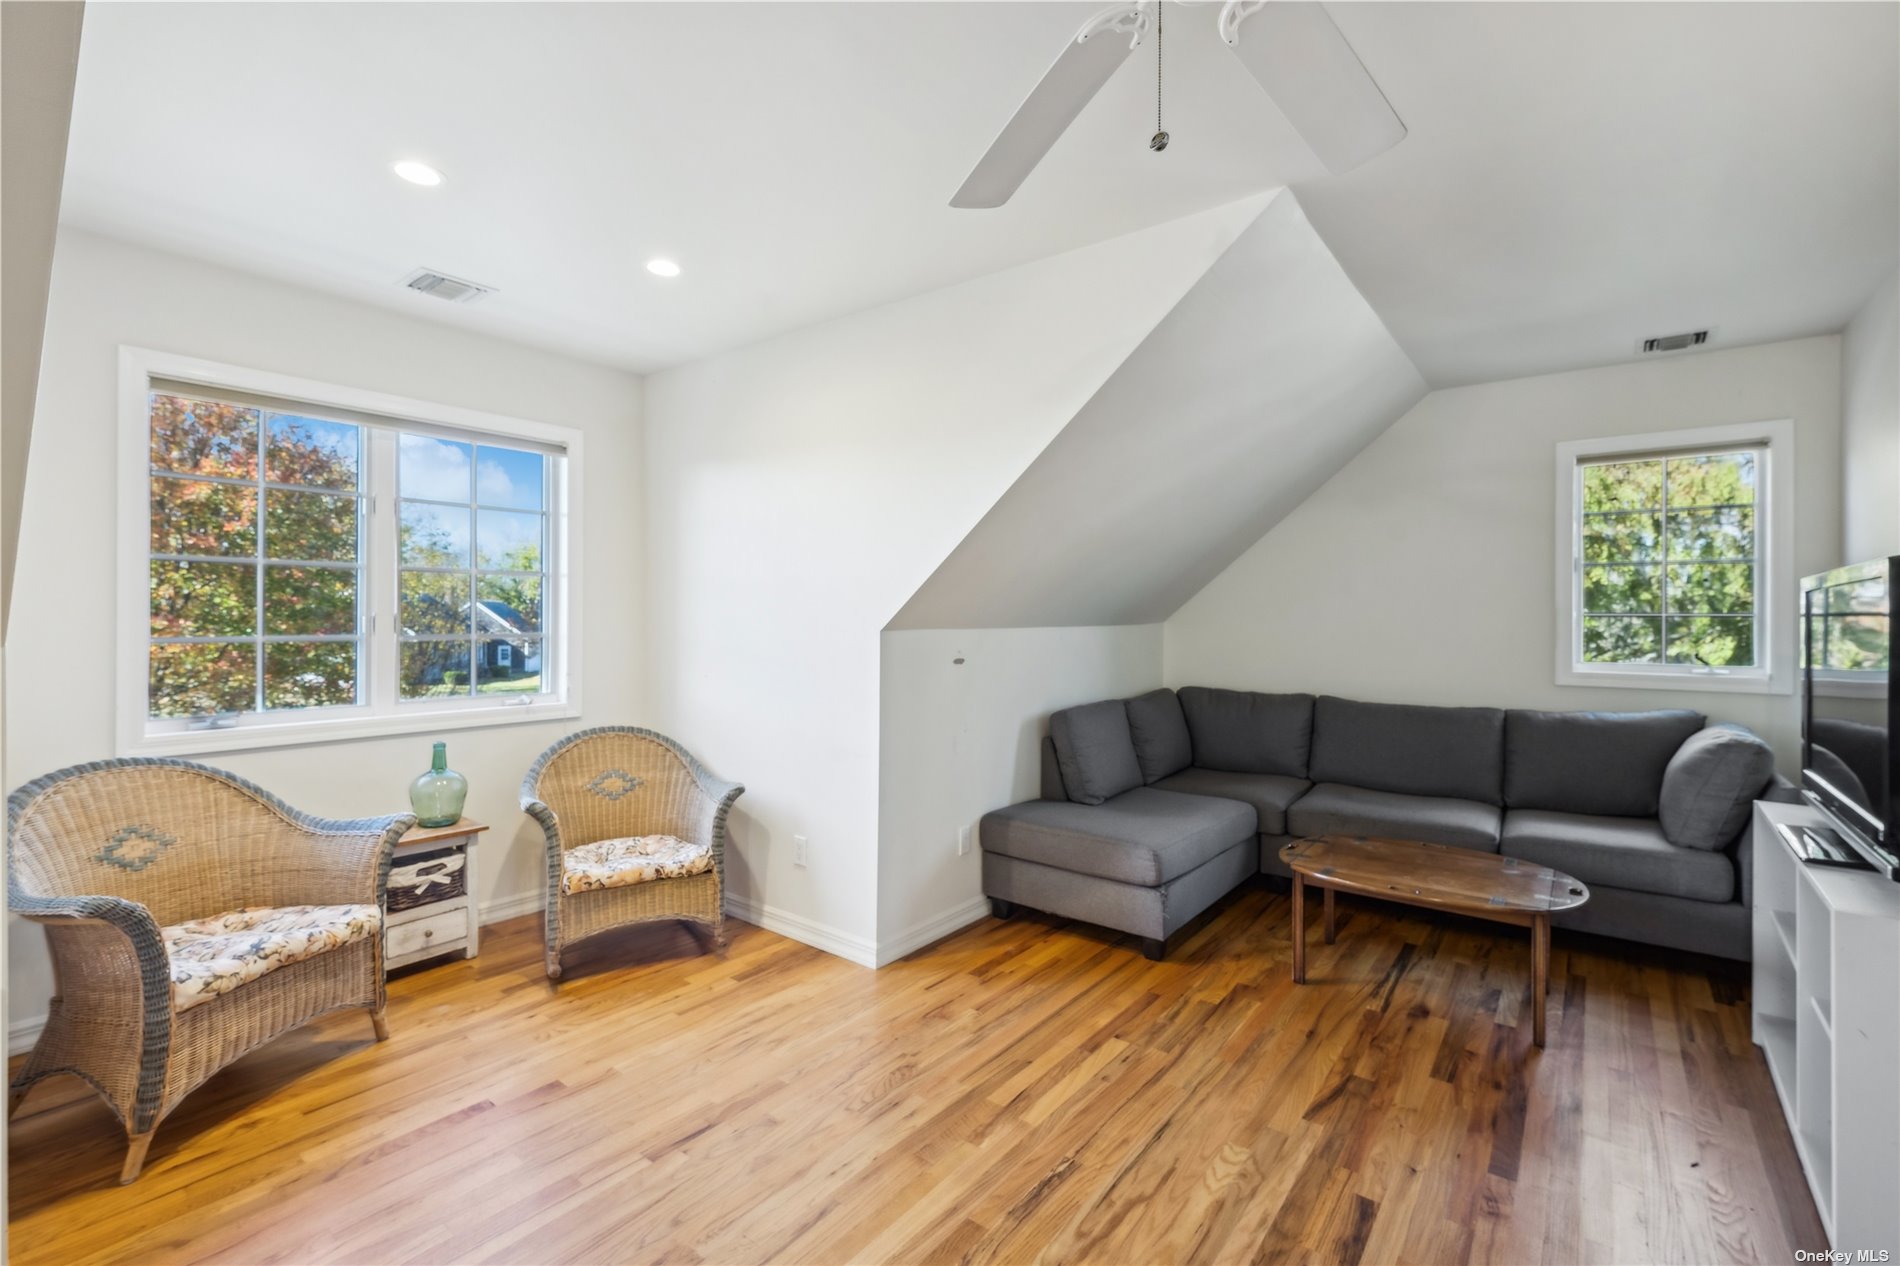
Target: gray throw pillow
1160	732
1094	751
1711	785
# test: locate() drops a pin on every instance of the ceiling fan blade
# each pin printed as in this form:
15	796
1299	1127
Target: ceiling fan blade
1296	53
1085	64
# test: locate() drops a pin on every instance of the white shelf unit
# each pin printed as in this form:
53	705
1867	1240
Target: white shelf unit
1827	1018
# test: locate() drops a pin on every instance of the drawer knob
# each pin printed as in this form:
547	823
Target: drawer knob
427	933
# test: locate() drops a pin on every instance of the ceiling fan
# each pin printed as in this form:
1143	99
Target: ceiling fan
1291	47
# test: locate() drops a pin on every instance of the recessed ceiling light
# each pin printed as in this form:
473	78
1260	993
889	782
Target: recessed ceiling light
663	267
416	173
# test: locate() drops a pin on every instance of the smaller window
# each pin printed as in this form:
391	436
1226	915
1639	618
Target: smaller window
1665	557
1669	548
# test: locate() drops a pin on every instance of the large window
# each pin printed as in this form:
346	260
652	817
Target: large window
1667	557
306	567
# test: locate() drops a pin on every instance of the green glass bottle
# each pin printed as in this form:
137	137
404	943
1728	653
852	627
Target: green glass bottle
437	796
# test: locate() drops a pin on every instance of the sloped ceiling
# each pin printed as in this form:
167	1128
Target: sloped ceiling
1259	385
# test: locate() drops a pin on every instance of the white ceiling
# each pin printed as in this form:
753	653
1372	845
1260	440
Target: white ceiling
1581	176
1577	176
796	159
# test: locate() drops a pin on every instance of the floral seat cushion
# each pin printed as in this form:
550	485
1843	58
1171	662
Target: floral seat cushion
214	956
636	859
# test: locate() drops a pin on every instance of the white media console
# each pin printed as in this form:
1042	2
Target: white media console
1827	1016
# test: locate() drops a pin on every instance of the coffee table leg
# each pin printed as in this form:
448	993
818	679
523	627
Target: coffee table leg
1299	929
1540	973
1328	894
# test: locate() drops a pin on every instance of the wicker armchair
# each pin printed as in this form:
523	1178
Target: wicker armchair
618	781
106	855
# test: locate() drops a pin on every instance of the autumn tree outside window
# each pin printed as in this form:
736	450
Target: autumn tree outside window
309	568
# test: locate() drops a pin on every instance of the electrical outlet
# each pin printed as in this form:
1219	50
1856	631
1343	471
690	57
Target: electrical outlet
801	850
963	841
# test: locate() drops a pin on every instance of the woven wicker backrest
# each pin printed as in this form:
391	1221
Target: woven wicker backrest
611	784
184	841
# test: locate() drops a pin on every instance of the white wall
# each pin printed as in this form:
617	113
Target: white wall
963	715
59	688
1870	427
800	490
1421	573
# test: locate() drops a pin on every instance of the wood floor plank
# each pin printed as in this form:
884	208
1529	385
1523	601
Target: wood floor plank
1029	1091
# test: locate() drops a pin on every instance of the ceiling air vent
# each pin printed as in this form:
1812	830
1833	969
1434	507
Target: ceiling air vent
1676	342
442	286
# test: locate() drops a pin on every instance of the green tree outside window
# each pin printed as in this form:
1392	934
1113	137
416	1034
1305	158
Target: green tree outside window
1669	548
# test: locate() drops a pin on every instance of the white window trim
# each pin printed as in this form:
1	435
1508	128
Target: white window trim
137	367
1775	593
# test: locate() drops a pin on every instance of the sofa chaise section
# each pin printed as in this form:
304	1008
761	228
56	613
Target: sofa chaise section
1145	836
1112	850
1144	863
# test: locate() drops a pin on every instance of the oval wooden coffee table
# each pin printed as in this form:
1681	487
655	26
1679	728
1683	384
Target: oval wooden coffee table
1485	885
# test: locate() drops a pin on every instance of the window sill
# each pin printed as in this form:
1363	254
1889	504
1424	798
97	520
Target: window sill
1735	683
342	729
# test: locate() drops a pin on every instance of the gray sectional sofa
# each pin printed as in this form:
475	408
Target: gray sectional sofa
1153	808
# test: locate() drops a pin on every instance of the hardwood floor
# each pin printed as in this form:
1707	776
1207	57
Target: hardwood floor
1030	1090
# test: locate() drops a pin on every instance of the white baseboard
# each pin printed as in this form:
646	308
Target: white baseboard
513	907
952	920
21	1034
851	948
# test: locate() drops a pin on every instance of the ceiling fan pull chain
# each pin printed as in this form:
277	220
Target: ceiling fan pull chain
1159	141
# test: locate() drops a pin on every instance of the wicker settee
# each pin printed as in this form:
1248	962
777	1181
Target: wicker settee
616	782
128	865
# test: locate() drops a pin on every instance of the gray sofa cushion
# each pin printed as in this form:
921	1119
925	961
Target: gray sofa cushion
1721	928
1418	751
1604	763
1160	732
1629	853
1243	732
1333	809
1094	751
1144	836
1269	794
1711	784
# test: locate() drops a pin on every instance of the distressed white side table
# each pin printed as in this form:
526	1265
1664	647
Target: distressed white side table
432	878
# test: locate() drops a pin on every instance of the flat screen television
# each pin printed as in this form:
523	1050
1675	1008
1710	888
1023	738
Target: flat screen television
1848	711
